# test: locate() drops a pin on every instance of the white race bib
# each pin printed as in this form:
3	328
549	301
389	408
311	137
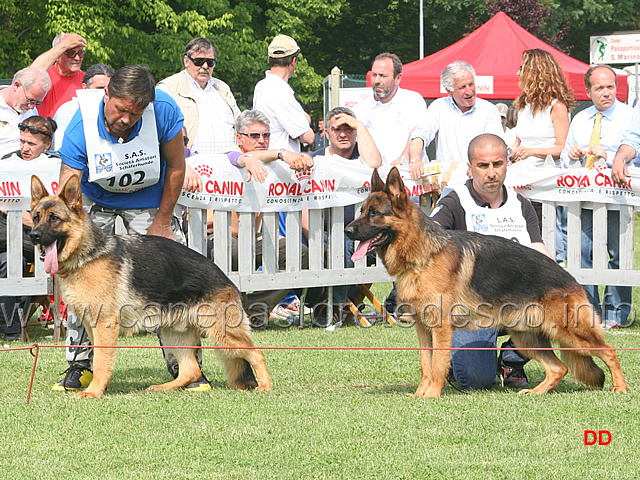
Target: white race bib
120	167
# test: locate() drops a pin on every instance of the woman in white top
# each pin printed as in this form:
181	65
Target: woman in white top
543	108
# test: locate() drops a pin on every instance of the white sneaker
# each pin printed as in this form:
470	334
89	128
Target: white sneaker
294	307
281	313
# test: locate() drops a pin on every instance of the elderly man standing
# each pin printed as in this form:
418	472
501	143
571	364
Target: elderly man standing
454	120
131	116
18	101
394	116
208	106
63	63
612	118
290	124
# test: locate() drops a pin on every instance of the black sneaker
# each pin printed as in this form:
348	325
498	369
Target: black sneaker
513	377
201	385
258	323
76	377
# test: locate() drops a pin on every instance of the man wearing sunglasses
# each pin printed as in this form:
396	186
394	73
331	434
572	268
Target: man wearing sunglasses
63	62
18	102
208	106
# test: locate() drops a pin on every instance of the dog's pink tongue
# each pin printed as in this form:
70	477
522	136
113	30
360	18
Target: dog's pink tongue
51	258
361	251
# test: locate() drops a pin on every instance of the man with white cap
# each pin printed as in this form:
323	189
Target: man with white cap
290	124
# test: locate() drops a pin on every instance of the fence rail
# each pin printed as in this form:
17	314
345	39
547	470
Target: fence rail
326	252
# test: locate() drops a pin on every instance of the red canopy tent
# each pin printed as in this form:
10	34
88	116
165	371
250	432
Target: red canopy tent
494	50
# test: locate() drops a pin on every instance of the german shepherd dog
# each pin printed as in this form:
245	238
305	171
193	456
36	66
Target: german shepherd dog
479	281
119	281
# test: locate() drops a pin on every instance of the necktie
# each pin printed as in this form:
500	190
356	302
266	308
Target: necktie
595	140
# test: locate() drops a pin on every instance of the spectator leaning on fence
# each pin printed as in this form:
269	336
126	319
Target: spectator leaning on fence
350	140
628	151
612	118
36	133
18	101
252	152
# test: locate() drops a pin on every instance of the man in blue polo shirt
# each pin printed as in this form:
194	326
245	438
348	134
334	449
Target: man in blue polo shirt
127	148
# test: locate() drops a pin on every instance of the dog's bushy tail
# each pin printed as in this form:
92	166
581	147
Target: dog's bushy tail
583	368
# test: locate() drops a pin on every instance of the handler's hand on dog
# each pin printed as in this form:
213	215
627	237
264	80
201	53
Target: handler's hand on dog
161	231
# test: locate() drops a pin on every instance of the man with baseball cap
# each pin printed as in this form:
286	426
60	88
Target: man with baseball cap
273	96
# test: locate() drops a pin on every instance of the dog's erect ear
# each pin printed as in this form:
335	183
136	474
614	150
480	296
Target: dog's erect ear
376	182
71	193
38	191
395	188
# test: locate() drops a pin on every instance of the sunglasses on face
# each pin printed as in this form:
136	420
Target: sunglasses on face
73	53
198	62
33	130
256	135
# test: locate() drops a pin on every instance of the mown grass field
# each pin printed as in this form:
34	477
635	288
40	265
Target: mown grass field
331	414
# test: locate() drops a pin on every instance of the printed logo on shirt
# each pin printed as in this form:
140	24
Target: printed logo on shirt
103	162
479	223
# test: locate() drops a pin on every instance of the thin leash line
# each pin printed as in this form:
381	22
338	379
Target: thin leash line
220	347
37	347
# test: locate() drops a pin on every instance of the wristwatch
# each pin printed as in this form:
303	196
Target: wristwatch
281	154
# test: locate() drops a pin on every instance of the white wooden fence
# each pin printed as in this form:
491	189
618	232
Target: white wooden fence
326	268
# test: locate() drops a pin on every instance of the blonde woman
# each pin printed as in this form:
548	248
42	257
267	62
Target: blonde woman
543	108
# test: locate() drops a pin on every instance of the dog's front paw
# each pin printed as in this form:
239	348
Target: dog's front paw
88	394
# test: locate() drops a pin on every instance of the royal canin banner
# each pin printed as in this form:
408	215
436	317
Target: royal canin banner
577	184
15	180
332	182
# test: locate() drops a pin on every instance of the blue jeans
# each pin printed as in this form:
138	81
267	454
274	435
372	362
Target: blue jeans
617	300
475	369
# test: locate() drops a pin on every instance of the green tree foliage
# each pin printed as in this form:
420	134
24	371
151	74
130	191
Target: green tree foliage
343	33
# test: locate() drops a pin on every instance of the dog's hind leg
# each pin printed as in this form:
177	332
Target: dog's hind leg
232	330
554	369
188	368
104	333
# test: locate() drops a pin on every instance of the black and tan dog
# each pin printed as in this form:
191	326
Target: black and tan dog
118	281
459	279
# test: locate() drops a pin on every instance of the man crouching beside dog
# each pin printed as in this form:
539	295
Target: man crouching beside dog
484	205
451	280
126	147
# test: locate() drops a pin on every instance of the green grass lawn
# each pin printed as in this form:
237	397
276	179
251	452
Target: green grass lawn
331	414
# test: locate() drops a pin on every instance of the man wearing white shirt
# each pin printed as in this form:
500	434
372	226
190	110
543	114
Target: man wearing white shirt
601	84
208	106
454	120
395	117
290	124
18	101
